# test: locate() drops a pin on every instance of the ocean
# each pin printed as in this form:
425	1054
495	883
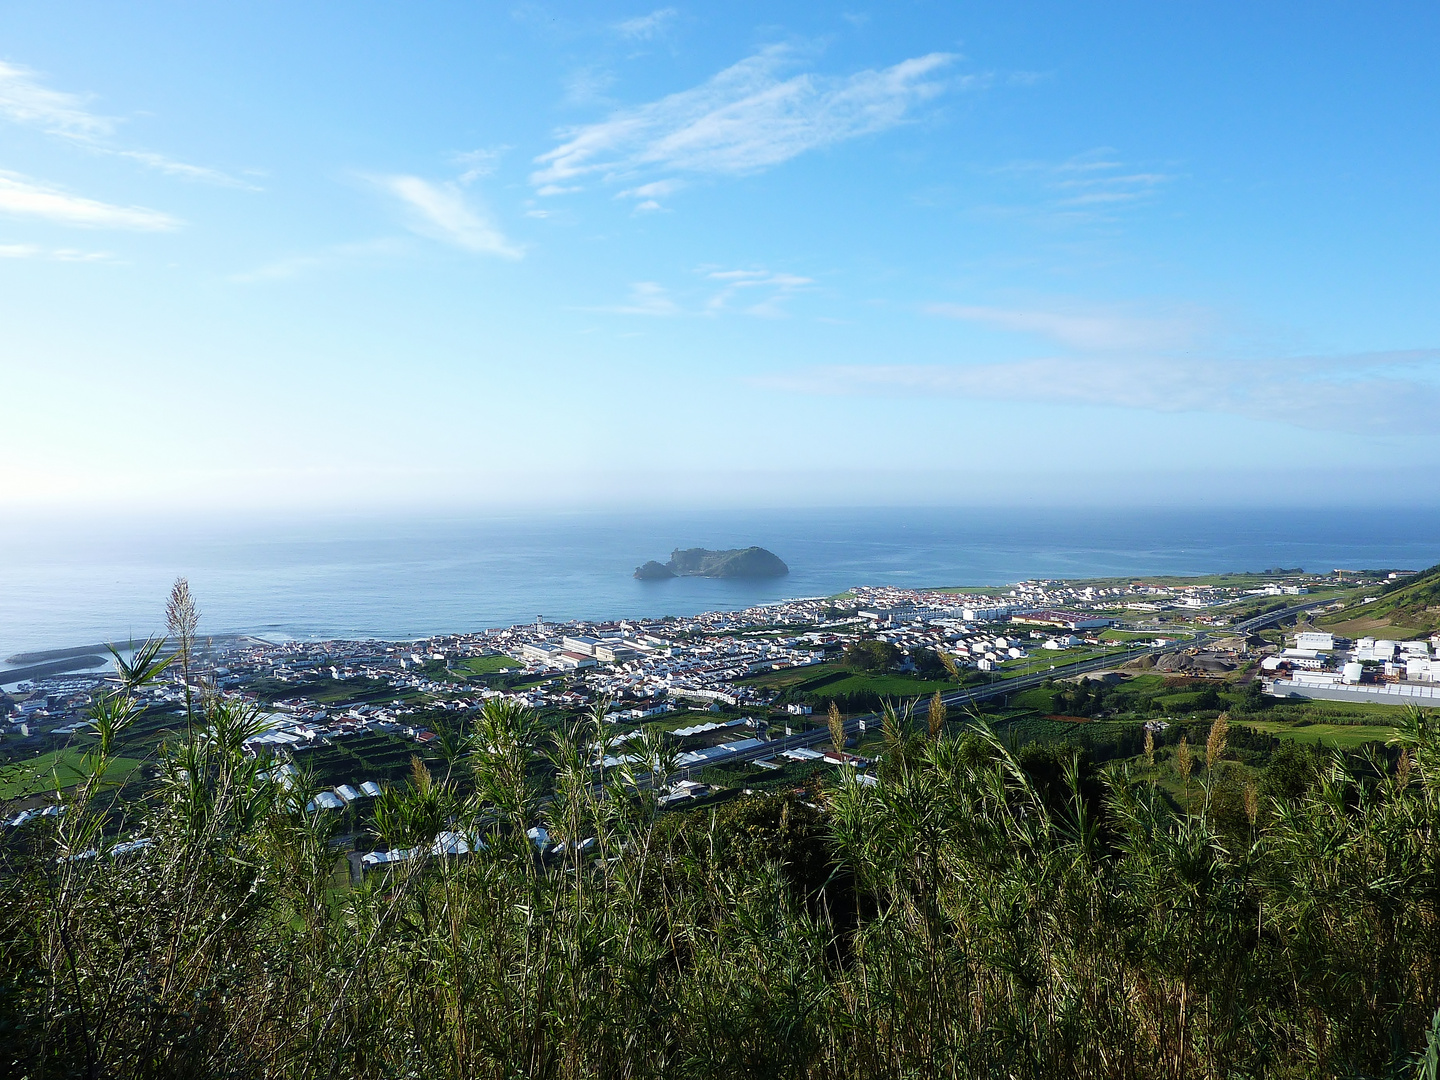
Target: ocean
63	585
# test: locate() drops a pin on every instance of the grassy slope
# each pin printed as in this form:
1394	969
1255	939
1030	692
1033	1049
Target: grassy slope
835	680
1337	736
1410	608
1340	724
44	771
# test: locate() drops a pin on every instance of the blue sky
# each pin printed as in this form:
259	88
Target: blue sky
460	255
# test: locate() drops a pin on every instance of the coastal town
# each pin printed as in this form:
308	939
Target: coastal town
722	682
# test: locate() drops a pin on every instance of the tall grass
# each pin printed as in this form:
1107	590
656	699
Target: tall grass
959	919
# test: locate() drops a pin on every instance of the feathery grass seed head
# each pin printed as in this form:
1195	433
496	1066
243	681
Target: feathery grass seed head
837	726
1215	744
937	715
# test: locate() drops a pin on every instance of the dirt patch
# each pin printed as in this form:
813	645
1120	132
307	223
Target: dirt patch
1364	626
1202	664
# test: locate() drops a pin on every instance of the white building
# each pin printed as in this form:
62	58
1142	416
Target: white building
1422	669
990	613
1372	649
578	644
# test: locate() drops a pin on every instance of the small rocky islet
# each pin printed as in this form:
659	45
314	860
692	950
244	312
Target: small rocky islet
750	562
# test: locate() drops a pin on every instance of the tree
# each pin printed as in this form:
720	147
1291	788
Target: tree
871	656
1256	699
1291	771
928	663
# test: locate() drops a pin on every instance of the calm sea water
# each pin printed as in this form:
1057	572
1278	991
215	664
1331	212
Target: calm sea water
77	583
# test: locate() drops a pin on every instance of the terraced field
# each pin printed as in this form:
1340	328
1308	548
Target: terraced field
352	759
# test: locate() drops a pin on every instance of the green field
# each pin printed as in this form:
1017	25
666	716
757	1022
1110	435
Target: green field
1297	710
822	682
1044	659
1158	695
887	686
44	772
488	665
790	678
1337	736
1128	635
327	691
1184	703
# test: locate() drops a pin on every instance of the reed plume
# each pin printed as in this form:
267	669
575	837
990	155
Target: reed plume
1215	744
182	618
837	726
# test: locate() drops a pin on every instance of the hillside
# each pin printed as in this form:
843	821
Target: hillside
988	912
1411	605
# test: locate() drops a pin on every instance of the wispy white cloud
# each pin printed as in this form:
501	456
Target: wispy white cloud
649	195
442	212
185	171
1090	330
718	292
773	290
745	119
1112	188
1087	188
645	27
35	251
658	189
1390	393
589	85
25	100
293	266
647	298
27	198
479	163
